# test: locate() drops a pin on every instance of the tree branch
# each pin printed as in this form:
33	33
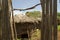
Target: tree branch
28	8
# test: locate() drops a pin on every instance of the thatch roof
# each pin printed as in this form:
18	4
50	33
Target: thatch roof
23	18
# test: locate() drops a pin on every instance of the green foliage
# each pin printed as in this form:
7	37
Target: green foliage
58	28
34	14
58	14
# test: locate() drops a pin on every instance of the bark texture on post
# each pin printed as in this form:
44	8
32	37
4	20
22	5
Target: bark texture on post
0	27
49	7
5	21
0	20
13	27
43	19
50	20
55	19
47	21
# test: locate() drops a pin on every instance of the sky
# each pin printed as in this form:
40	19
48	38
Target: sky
29	3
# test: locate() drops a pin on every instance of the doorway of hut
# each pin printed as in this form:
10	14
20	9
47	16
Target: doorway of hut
24	37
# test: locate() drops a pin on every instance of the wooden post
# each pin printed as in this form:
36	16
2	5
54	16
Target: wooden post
0	28
47	20
50	20
5	21
43	20
28	34
13	23
46	29
0	20
13	28
55	19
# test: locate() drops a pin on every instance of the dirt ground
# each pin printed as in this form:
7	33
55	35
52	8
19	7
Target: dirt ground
58	35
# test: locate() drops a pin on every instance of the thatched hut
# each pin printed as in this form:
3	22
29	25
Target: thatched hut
25	24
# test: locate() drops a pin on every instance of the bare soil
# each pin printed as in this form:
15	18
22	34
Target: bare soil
58	35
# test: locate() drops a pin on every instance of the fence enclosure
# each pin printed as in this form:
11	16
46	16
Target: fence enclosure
49	19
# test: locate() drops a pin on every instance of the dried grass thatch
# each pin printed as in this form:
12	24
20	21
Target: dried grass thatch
23	18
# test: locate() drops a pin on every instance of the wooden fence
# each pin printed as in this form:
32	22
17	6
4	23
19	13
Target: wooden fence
49	18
